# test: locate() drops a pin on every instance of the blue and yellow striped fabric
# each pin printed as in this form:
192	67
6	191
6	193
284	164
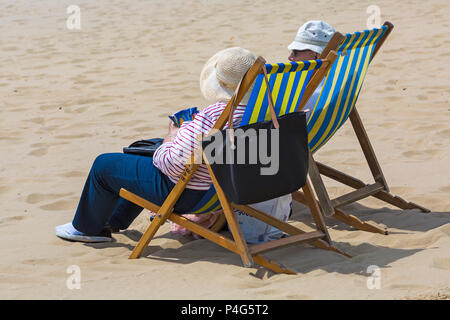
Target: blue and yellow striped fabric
342	86
209	202
287	82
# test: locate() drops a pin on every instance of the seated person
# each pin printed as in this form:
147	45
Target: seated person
310	41
154	177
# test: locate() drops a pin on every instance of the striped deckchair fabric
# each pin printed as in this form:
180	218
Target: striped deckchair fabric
209	202
342	86
287	82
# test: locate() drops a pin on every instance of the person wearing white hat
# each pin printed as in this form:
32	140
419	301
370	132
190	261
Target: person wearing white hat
100	208
311	39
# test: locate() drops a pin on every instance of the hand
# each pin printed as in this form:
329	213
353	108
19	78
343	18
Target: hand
173	130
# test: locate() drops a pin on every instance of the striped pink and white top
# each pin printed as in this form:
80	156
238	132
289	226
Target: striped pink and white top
171	157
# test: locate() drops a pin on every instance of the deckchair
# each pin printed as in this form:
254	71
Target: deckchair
336	104
303	78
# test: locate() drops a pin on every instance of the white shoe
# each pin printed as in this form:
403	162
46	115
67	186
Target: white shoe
68	232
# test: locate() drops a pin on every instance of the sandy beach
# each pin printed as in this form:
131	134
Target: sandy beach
67	96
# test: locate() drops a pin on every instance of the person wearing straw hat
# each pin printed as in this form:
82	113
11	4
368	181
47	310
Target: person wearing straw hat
218	81
311	39
100	208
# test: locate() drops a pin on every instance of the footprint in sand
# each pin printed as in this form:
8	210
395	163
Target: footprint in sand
72	174
11	137
422	97
408	287
48	107
445	133
39	197
5	189
445	189
38	120
388	124
143	129
80	109
10	49
422	155
442	263
163	115
116	113
428	128
82	81
38	152
60	205
393	98
11	219
75	136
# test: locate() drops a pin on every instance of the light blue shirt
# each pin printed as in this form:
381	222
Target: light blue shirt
313	100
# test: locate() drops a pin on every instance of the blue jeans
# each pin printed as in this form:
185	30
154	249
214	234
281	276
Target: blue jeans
100	202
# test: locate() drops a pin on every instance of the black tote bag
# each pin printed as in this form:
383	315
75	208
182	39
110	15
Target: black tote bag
260	161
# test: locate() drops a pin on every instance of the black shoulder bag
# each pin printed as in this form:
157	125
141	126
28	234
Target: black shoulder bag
144	147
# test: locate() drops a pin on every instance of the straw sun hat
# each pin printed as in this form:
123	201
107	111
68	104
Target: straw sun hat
222	73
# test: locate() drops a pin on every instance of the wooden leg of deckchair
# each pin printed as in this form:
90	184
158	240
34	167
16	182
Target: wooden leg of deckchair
227	243
353	221
154	225
166	209
231	218
315	210
159	219
367	148
287	228
235	229
341	216
356	183
319	187
271	265
182	221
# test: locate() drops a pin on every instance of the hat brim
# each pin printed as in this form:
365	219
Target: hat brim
210	87
305	46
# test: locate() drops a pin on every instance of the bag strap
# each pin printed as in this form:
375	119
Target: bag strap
273	115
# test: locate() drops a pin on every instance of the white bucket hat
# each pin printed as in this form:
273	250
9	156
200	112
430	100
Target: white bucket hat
313	35
222	73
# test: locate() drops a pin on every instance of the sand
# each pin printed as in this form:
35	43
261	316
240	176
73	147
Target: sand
69	95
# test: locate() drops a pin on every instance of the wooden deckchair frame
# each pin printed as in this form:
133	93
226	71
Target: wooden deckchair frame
379	189
250	255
